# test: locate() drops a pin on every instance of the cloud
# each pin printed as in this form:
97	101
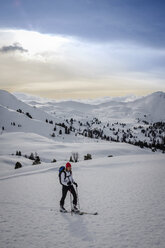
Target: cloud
63	66
16	47
140	21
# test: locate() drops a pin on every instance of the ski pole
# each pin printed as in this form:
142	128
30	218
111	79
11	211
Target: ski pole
71	203
77	198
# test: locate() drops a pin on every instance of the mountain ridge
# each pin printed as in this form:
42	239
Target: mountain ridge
140	122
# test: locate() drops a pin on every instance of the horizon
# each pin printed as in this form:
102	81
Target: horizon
82	49
135	96
99	100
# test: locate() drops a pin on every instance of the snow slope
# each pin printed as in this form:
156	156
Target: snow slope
12	104
23	123
127	191
9	105
152	105
124	183
48	150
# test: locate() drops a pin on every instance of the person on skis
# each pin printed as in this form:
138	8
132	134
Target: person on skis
67	182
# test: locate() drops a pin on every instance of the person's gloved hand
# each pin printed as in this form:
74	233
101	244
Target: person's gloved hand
75	184
69	183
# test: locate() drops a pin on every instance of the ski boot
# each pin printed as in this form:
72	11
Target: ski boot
62	209
75	209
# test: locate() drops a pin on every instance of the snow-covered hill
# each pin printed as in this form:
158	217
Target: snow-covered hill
17	116
150	108
10	102
139	122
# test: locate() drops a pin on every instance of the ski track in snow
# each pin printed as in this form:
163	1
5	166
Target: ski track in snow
129	199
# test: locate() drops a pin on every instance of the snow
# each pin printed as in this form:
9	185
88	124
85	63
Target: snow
147	109
123	183
9	103
48	150
117	108
129	198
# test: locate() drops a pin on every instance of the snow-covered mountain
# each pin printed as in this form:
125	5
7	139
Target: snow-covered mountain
72	121
30	98
17	116
150	107
9	101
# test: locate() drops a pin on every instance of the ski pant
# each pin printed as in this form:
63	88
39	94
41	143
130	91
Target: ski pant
64	193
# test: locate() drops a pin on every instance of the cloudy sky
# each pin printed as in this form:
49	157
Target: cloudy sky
82	48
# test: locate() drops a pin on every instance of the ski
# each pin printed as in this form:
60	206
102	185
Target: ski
92	213
78	212
81	212
72	212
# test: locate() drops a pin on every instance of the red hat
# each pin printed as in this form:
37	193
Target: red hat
68	165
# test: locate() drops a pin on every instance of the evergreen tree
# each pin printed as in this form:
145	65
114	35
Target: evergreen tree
31	156
18	165
71	159
37	160
54	161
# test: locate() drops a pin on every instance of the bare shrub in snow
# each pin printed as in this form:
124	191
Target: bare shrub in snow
75	156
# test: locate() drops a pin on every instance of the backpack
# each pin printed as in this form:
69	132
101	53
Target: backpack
61	169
